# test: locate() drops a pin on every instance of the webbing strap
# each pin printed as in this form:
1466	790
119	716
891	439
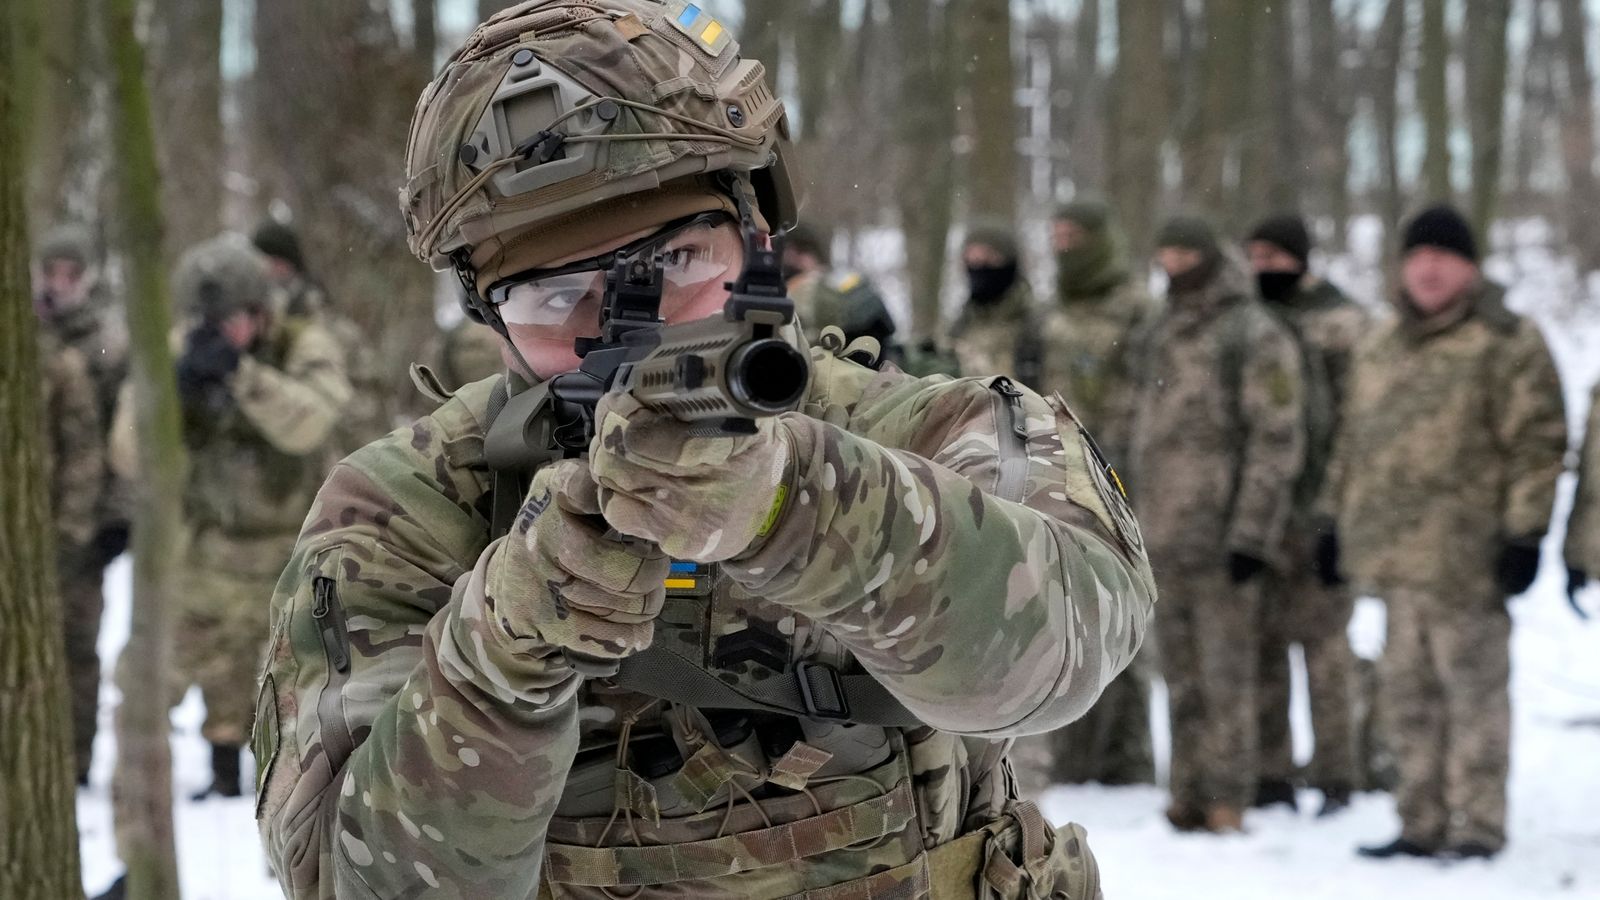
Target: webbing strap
857	823
812	691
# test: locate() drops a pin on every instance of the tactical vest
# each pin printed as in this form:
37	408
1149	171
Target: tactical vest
746	753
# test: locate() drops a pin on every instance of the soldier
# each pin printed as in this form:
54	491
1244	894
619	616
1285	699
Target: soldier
1582	549
1444	478
847	612
1089	340
823	296
1304	605
998	329
1217	444
260	391
78	324
305	300
471	353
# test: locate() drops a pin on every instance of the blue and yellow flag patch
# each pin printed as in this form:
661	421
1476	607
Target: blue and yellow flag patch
699	26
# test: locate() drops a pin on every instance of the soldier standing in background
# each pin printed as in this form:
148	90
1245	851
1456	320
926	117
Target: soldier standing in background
820	573
1442	485
998	329
471	352
823	296
1217	444
1582	549
78	323
261	391
1307	603
1089	339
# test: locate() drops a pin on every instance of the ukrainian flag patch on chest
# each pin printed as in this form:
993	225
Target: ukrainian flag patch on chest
699	26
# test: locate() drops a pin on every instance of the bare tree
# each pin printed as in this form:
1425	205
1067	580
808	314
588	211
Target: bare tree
487	8
1486	104
1577	134
143	782
425	34
38	835
991	171
1328	89
1271	172
1387	46
60	109
1433	98
186	83
1138	108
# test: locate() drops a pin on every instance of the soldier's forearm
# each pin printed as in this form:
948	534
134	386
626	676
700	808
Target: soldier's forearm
295	415
980	614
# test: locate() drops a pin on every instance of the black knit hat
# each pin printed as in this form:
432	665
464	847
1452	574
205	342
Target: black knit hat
1190	233
1442	227
1288	233
277	239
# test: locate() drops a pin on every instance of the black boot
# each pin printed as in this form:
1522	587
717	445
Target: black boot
1335	799
1272	791
1397	847
224	773
1470	850
116	891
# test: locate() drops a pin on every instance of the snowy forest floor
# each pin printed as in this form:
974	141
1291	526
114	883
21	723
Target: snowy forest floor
1554	826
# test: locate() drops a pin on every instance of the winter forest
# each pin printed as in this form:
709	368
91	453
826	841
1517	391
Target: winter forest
144	128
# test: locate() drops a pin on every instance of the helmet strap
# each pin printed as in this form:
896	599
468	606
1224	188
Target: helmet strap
478	308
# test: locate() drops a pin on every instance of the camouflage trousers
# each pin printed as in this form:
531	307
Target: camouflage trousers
82	604
1445	676
1207	627
1109	745
222	630
1297	608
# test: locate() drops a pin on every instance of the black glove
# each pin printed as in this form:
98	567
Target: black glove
1516	566
1328	559
110	542
207	357
1242	567
1577	579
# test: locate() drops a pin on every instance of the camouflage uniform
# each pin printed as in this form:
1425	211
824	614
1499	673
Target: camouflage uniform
1001	338
91	335
1582	548
1088	341
1454	437
1298	606
1218	441
471	353
257	451
843	299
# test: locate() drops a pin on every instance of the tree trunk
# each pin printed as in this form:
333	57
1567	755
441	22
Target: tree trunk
186	88
925	124
143	781
1269	161
38	832
487	8
1387	49
1329	86
991	187
1486	106
1433	98
1085	121
425	35
1577	135
762	32
60	111
1138	120
821	28
1211	159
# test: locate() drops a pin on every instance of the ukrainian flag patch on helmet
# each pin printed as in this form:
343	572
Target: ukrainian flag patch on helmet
699	26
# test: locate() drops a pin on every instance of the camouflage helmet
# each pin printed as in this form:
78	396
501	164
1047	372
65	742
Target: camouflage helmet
72	243
220	276
559	119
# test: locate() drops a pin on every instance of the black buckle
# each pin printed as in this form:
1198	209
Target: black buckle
823	698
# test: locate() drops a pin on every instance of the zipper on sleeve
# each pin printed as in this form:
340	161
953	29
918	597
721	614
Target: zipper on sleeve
1011	440
328	614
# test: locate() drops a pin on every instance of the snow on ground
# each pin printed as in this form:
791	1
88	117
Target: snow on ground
1554	826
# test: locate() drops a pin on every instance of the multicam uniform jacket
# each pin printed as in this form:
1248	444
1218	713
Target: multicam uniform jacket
958	540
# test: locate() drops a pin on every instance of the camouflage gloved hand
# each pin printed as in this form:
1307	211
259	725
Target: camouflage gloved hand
558	584
700	498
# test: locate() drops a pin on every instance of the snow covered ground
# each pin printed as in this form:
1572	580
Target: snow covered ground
1554	828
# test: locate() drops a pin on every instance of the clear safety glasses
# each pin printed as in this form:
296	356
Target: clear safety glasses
694	252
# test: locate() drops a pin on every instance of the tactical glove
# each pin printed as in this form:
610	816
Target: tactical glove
1328	559
1517	565
705	498
1242	567
207	357
1577	579
559	585
108	543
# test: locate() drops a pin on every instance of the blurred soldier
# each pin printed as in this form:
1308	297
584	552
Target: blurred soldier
1217	444
305	299
823	631
998	329
261	391
824	296
1089	356
1305	604
79	325
1443	480
471	352
1582	549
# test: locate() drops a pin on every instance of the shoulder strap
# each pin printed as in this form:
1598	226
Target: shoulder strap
812	690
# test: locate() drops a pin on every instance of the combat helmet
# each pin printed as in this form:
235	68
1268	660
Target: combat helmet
220	276
72	243
560	119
